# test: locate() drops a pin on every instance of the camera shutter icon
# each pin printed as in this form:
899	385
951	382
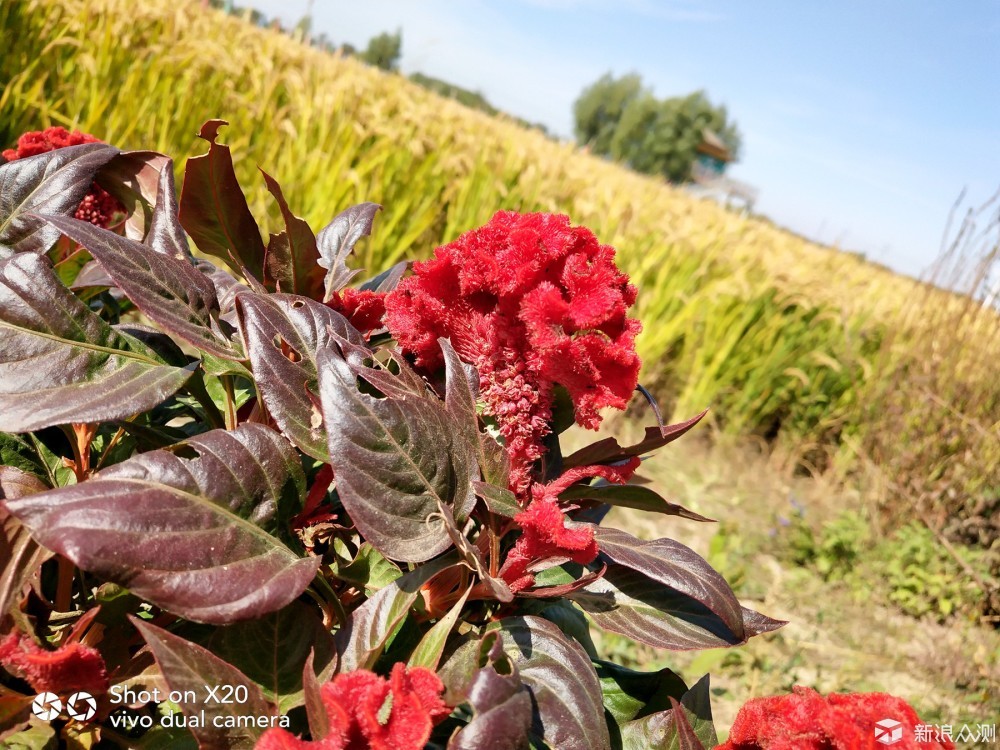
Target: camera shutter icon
888	731
81	706
46	706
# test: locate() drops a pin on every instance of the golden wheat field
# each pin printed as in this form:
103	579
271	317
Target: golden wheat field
834	357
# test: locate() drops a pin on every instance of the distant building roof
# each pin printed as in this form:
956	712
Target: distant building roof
712	145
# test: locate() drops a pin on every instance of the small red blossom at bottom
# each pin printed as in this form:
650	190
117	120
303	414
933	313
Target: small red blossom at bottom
364	309
70	668
98	206
545	533
805	720
368	712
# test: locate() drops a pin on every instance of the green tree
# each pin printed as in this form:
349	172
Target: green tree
384	50
599	108
622	120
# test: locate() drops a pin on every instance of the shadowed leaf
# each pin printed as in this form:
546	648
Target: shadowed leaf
20	555
61	363
630	496
293	260
166	235
610	451
137	180
214	210
52	183
194	536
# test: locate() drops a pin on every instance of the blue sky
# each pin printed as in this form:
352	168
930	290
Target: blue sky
862	121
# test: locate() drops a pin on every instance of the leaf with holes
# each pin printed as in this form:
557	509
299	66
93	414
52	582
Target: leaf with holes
400	463
564	687
283	333
169	291
53	183
60	363
336	241
214	210
192	530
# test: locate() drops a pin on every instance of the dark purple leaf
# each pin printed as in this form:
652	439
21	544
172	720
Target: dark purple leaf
609	450
402	467
502	708
187	666
630	496
272	651
51	183
61	363
754	623
168	290
387	280
564	687
194	536
293	262
20	555
136	179
663	594
363	637
283	333
336	241
214	210
166	235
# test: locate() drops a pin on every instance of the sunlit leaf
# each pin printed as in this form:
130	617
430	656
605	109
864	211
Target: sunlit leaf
336	241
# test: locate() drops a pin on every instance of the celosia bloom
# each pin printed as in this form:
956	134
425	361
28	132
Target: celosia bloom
532	302
805	720
544	531
364	309
69	668
368	712
98	206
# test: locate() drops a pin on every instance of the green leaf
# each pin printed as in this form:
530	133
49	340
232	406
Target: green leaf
191	530
369	569
61	363
431	647
628	694
687	725
361	640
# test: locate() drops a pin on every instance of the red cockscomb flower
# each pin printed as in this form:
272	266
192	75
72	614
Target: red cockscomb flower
364	309
98	206
69	668
368	712
805	720
545	534
532	302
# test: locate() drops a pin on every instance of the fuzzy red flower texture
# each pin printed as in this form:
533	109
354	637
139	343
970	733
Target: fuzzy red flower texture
69	668
98	207
532	302
368	712
545	535
805	720
364	309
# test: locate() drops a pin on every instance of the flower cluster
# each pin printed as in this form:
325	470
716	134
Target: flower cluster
805	720
98	207
69	668
364	309
368	712
532	302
